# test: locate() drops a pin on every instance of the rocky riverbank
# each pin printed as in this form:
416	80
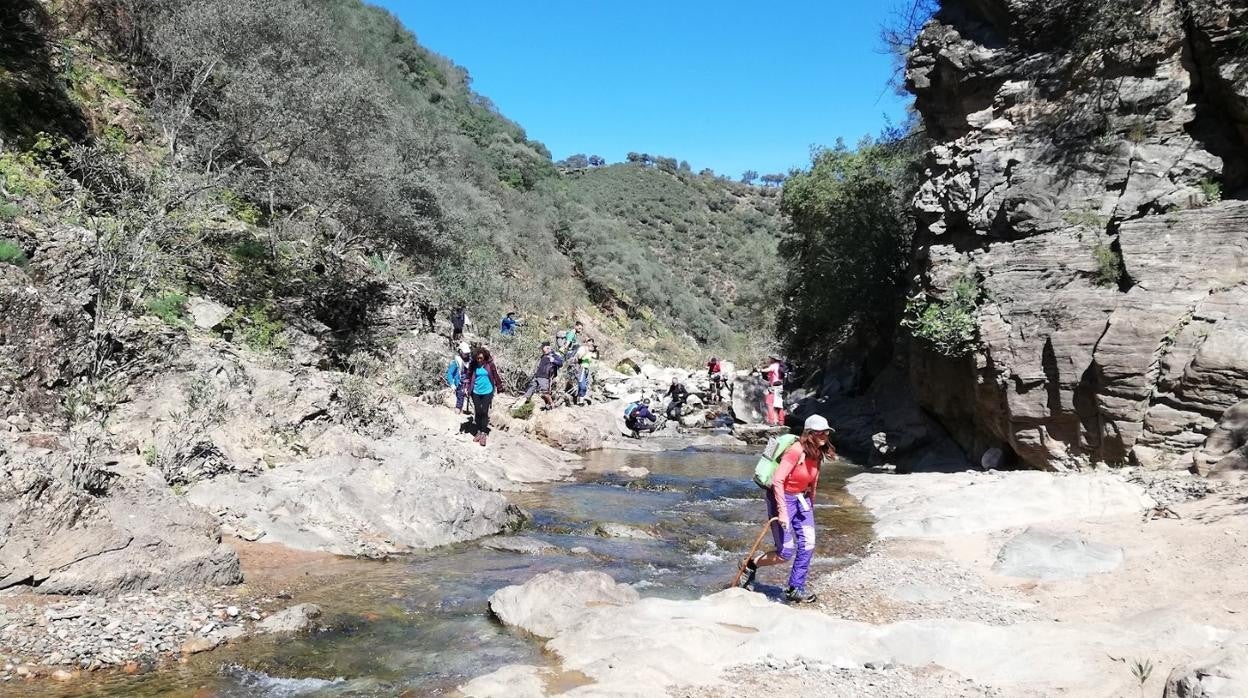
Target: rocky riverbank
982	584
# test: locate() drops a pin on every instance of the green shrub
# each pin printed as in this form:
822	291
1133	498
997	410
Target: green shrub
1212	191
524	411
250	250
1108	265
256	328
22	176
169	306
12	253
948	324
10	211
240	208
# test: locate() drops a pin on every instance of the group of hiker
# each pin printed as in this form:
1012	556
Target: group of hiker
788	471
474	378
570	350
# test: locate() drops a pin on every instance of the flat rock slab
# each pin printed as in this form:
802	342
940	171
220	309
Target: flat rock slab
519	544
654	646
1050	556
940	504
354	506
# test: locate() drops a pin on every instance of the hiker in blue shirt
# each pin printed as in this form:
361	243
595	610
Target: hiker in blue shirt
509	325
457	375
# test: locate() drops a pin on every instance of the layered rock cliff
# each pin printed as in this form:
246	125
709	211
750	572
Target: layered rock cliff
1084	175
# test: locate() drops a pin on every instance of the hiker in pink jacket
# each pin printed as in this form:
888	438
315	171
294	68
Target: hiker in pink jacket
791	499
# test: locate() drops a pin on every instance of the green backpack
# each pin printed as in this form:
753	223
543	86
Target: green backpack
770	460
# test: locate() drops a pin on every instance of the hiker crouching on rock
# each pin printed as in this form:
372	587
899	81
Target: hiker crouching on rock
791	499
483	381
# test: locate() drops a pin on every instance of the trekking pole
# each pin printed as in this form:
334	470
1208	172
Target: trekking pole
754	549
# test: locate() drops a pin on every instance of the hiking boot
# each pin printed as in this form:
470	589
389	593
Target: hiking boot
747	579
479	438
799	595
482	439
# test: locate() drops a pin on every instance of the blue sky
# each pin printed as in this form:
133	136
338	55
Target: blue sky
726	85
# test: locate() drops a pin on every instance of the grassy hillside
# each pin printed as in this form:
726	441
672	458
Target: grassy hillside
312	166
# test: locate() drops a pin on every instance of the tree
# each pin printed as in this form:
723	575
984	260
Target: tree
848	236
685	167
773	180
668	165
577	162
707	172
749	176
596	161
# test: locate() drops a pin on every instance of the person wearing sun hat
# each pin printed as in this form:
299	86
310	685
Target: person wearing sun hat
791	501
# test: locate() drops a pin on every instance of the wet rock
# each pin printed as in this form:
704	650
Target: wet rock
196	645
554	601
616	530
1052	555
291	620
519	544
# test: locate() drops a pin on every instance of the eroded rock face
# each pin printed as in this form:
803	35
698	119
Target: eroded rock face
356	506
137	535
1037	181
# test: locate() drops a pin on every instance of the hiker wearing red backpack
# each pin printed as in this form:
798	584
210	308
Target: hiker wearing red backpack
791	502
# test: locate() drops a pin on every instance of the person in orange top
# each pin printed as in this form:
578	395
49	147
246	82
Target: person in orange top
791	499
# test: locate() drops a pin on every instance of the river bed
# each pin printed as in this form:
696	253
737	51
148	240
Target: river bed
420	625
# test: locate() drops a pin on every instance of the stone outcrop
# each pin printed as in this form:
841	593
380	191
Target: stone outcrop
66	534
1078	180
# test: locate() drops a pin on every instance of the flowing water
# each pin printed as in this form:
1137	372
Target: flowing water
420	625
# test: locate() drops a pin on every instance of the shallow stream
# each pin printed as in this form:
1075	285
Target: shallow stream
420	625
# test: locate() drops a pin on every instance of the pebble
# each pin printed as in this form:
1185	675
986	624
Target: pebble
129	632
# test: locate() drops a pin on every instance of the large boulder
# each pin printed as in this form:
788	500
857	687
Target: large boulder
1222	675
356	506
67	530
748	398
1226	449
553	602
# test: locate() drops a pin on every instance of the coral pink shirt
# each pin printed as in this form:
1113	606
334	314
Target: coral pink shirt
796	474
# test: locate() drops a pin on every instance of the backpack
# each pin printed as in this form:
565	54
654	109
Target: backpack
632	407
770	460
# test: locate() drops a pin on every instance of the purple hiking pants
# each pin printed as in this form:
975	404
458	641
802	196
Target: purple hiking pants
797	543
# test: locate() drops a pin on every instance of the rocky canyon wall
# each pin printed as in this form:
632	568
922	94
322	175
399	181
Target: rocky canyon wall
1088	184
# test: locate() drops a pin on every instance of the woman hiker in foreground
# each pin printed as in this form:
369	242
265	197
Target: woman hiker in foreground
791	499
483	382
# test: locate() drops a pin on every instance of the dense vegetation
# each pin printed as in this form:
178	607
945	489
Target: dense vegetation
312	166
848	246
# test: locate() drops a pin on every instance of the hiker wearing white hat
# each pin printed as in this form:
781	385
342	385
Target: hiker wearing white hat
791	506
457	375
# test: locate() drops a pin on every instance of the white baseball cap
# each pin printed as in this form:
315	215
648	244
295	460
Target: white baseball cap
816	423
464	348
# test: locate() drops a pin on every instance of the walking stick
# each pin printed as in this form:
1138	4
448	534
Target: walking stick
754	549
